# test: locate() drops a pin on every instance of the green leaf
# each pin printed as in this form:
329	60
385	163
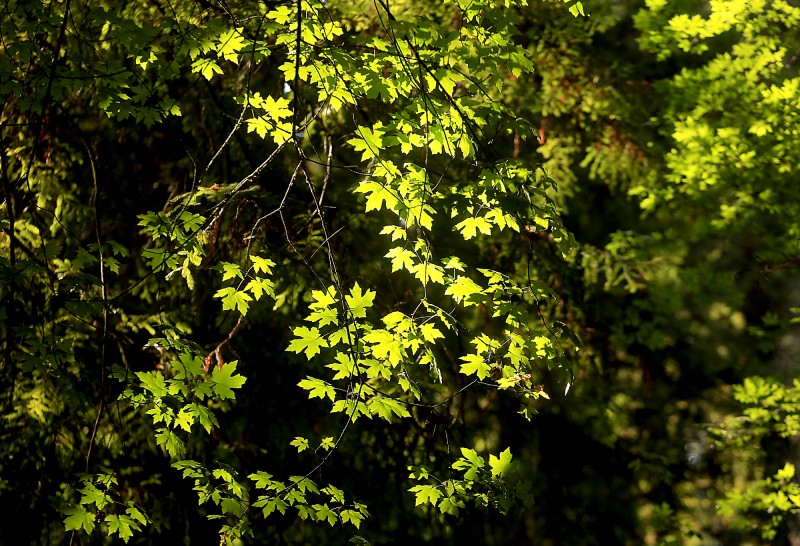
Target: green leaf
259	286
234	300
449	505
161	413
304	484
396	232
786	473
378	195
308	341
465	145
262	479
336	494
469	228
122	525
230	271
324	513
187	366
387	407
206	67
471	463
225	380
351	516
430	332
575	7
185	419
230	43
385	345
317	388
369	141
261	125
153	382
300	443
401	258
170	441
464	289
323	312
135	513
343	366
231	506
204	415
223	474
92	495
262	265
270	504
359	302
376	368
499	465
323	317
427	271
351	407
472	456
475	365
426	494
78	518
323	300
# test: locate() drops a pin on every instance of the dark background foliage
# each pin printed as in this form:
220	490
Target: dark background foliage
675	171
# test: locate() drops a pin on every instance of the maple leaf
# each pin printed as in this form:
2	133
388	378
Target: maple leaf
206	67
276	108
351	407
359	301
171	443
323	317
234	300
469	228
185	419
322	299
309	341
262	479
260	125
369	141
386	407
430	333
225	380
428	272
351	516
401	258
300	443
475	364
500	464
395	231
343	366
378	195
325	513
78	518
230	271
455	263
153	382
262	265
259	286
204	415
385	346
317	388
230	43
466	290
426	493
122	525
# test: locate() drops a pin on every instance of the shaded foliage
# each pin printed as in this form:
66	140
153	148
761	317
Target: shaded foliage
399	272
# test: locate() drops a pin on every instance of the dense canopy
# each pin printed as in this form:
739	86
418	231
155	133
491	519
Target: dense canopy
399	272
